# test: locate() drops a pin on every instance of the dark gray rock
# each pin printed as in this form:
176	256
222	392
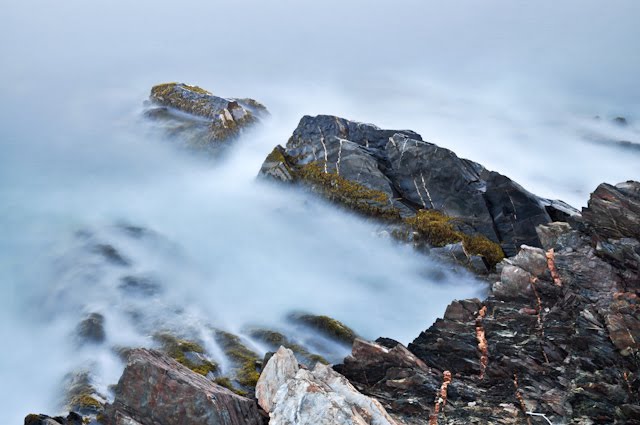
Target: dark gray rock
558	336
413	174
614	211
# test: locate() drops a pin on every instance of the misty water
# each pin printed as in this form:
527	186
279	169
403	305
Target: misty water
512	86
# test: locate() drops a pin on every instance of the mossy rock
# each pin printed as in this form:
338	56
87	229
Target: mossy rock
225	382
276	339
438	229
245	360
86	404
188	353
326	325
222	118
347	193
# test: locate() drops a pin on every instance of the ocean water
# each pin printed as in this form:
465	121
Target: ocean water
513	86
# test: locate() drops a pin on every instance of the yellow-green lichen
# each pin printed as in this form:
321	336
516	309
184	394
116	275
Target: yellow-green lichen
330	327
245	360
276	339
178	349
437	229
85	402
345	192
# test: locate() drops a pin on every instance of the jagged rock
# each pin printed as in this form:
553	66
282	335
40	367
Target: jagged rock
155	389
201	119
393	173
296	396
558	336
280	367
549	233
614	211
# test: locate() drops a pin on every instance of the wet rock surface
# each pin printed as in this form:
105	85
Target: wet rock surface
394	173
155	389
557	339
200	119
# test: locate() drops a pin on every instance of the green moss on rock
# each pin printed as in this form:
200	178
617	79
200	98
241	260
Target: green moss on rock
326	325
245	360
437	229
85	403
345	192
179	350
275	339
225	382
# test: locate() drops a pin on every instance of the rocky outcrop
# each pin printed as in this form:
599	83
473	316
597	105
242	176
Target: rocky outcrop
614	211
201	120
71	419
294	396
155	389
394	173
556	340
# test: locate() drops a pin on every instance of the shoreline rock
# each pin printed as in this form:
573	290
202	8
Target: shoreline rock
200	119
392	174
157	389
557	339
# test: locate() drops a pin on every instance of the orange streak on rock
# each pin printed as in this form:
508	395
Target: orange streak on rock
552	267
441	398
539	314
520	399
482	341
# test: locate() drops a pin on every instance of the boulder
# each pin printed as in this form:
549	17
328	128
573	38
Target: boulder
614	211
155	389
556	340
394	173
281	367
200	119
322	397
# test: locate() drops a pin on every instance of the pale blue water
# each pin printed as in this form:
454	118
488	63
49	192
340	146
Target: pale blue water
509	85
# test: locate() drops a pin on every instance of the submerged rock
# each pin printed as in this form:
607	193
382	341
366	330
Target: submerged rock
394	173
327	326
557	339
294	396
91	329
200	119
155	389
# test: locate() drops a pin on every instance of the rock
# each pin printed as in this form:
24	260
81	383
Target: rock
71	419
188	353
91	329
155	389
323	397
80	394
111	254
614	211
276	339
394	173
281	367
141	286
246	362
200	119
327	326
549	233
558	337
